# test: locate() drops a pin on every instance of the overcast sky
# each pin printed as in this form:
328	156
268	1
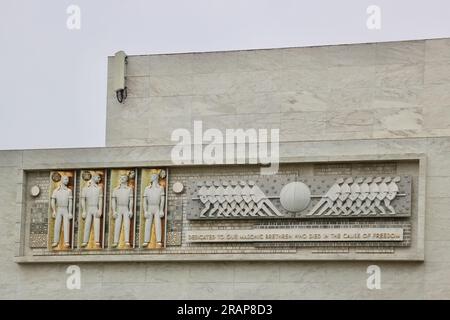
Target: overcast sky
53	80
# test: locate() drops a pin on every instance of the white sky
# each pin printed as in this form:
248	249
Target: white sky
53	80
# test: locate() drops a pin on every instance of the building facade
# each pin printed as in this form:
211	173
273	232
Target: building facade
360	135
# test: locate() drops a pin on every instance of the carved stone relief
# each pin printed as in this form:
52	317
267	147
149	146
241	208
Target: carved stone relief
61	211
122	209
296	197
139	209
91	218
153	208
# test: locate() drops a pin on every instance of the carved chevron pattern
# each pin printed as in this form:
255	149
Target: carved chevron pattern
235	199
360	196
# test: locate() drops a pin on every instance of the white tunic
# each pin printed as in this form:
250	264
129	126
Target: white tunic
62	195
123	195
92	194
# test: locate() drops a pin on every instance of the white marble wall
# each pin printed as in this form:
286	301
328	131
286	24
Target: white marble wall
363	91
309	280
371	99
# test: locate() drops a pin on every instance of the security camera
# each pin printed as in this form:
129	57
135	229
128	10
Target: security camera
120	61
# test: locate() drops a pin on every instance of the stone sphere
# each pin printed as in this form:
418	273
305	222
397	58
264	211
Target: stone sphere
35	190
295	196
177	187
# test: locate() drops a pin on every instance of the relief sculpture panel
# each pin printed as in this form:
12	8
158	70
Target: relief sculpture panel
229	210
289	196
122	208
61	211
153	208
91	220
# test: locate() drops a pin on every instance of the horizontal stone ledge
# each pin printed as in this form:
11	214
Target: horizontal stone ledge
303	256
112	159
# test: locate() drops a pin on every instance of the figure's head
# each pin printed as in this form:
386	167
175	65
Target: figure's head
349	180
96	178
396	179
359	180
225	183
162	174
65	180
251	183
377	179
208	183
368	180
233	183
340	180
387	179
242	183
154	177
123	178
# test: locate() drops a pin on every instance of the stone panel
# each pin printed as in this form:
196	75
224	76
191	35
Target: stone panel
423	129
